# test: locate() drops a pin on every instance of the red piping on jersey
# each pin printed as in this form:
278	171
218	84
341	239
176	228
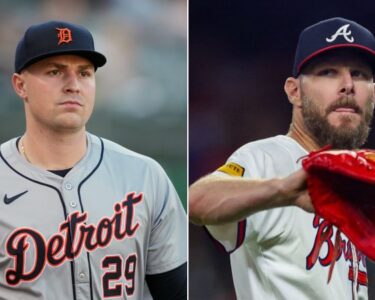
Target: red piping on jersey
241	233
362	277
370	51
241	230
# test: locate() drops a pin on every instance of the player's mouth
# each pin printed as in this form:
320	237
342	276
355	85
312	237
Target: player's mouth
346	110
345	106
71	103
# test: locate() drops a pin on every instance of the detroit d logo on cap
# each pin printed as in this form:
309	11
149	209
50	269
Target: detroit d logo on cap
343	30
64	35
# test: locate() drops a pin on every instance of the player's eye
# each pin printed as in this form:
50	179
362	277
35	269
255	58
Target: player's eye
54	72
360	74
86	73
327	72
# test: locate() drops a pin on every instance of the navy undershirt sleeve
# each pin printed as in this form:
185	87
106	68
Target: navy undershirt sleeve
171	285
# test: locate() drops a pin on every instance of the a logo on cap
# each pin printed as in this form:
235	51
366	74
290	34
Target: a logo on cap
343	30
64	35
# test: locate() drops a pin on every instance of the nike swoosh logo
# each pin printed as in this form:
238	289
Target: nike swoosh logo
11	199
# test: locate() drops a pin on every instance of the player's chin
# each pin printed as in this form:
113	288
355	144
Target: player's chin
71	122
344	119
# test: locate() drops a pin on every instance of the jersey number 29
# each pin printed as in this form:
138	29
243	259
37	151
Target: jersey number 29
113	267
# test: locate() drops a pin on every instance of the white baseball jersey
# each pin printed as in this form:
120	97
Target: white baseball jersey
91	235
275	253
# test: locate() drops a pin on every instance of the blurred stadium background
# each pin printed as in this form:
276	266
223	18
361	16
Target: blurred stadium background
240	53
141	92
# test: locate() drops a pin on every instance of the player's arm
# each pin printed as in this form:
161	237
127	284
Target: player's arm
171	285
218	200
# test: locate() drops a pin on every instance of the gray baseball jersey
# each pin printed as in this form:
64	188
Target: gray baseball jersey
93	234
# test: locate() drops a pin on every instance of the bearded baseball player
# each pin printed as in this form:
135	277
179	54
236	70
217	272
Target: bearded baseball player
80	217
252	204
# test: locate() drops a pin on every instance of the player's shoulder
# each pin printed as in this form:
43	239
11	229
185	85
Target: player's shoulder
9	143
276	146
120	155
8	149
266	158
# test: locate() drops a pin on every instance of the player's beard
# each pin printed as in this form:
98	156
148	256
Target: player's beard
344	136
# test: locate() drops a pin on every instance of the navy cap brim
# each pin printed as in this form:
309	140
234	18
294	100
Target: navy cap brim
369	53
97	59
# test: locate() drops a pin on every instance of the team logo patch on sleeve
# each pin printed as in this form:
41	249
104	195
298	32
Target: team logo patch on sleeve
370	156
233	169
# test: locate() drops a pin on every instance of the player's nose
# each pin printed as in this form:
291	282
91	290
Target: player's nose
347	82
71	82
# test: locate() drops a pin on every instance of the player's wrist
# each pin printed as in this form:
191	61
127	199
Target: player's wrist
285	194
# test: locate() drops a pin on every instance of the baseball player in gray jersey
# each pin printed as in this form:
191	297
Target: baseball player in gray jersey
81	217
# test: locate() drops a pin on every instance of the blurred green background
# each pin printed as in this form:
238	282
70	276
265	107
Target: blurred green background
141	91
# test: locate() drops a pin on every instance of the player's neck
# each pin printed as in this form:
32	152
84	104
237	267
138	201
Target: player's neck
299	133
50	151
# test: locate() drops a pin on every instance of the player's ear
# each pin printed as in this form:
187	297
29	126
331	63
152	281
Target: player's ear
18	83
293	91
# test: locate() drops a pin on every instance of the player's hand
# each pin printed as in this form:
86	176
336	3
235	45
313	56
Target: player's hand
295	187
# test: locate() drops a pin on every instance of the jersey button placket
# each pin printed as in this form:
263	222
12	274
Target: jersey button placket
68	186
70	195
82	270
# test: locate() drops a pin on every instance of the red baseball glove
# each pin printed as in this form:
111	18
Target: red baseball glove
341	185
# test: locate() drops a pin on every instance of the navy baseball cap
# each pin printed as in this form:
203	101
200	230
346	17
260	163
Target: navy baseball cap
56	38
333	34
